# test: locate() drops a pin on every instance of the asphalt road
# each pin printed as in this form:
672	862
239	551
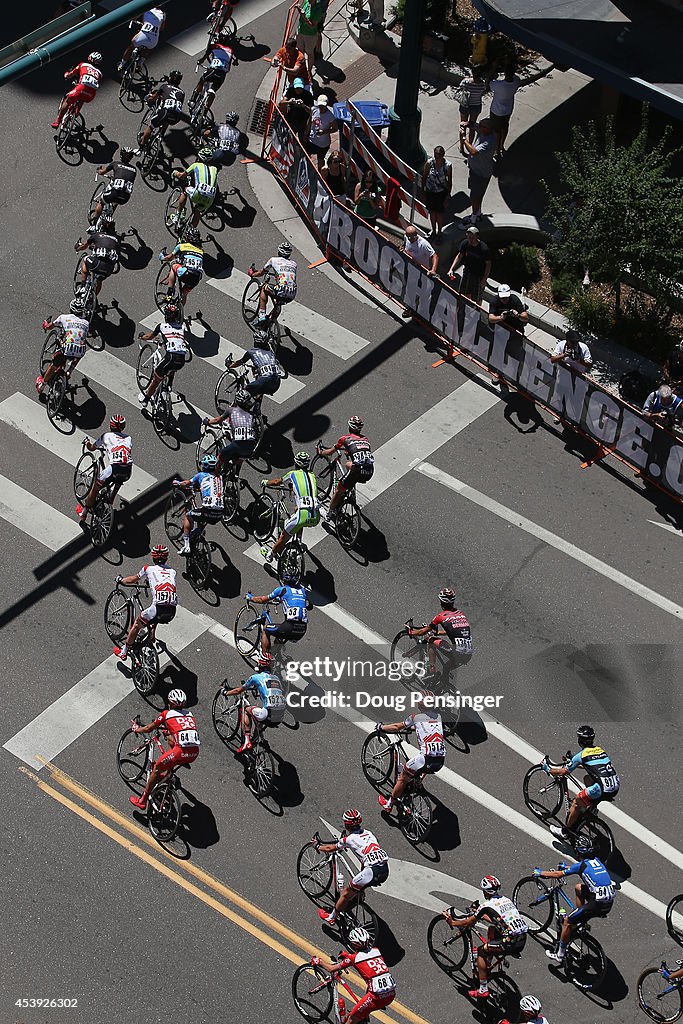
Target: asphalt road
578	626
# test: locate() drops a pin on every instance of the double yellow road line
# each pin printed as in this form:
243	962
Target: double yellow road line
210	891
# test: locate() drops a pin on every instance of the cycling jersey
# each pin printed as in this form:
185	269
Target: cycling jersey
162	583
229	138
595	877
75	329
104	246
372	968
122	178
600	768
220	58
170	98
174	337
269	691
180	726
210	486
264	362
152	22
305	488
429	732
119	447
88	75
203	178
284	273
191	257
504	915
456	628
294	602
358	448
364	844
241	424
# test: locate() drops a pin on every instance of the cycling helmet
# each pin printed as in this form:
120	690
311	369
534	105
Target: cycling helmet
447	596
192	236
302	460
583	847
585	734
232	117
530	1004
352	818
126	154
355	424
204	153
172	312
489	885
117	422
242	398
76	307
289	576
208	463
175	77
176	699
284	249
95	57
261	337
265	660
159	553
359	938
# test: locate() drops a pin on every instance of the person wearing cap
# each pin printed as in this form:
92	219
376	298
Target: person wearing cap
296	107
663	407
574	353
508	309
480	154
311	21
475	258
419	250
323	122
293	61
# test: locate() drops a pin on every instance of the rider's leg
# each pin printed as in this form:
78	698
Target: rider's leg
247	721
152	386
399	788
131	638
91	497
280	544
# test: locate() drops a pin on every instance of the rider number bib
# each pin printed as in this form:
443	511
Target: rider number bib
276	701
105	254
192	262
171	104
360	457
307	504
383	983
149	29
376	857
293	613
120	185
165	596
268	370
90	80
206	190
242	434
603	893
188	738
435	748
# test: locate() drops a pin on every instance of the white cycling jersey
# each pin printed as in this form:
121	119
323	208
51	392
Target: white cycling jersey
152	21
284	272
162	585
507	913
429	731
174	338
75	333
119	448
364	844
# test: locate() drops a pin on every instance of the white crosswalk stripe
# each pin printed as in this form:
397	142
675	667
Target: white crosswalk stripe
34	517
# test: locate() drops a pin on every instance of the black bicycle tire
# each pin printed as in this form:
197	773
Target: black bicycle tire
259	516
118	634
359	915
101	521
199	563
315	893
325	477
675	906
535	928
249	315
397	655
570	962
231	499
659	1018
453	938
321	973
409	822
384	776
223	404
52	345
212	448
162	409
144	367
55	393
98	192
65	127
259	791
132	777
292	562
348	523
598	834
161	286
81	492
229	737
143	685
247	647
175	508
166	788
542	813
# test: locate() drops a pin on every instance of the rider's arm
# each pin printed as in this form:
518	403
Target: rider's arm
129	581
260	600
150	334
235	690
391	727
421	630
238	362
183	484
459	922
552	874
277	481
327	847
147	728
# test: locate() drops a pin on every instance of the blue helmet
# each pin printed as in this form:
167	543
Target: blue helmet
208	463
583	847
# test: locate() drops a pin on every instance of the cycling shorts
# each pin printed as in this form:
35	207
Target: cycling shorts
508	944
590	795
214	78
591	908
356	474
62	355
371	875
371	1002
116	472
425	763
81	94
159	613
164	116
283	297
287	632
200	201
176	756
113	195
237	450
301	518
145	41
171	362
101	267
263	385
261	714
206	514
190	278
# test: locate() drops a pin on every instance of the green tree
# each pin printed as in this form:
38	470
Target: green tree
619	209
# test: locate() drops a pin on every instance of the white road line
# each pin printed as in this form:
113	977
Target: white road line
193	40
91	698
33	517
288	387
29	418
559	543
666	526
312	326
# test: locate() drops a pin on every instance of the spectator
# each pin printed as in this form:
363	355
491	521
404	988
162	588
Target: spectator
437	184
673	368
508	310
296	107
323	122
293	60
366	197
311	22
480	163
574	353
502	104
419	250
336	174
475	87
663	407
475	258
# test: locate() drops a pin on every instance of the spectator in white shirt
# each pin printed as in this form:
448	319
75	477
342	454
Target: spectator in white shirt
323	122
573	353
419	250
502	104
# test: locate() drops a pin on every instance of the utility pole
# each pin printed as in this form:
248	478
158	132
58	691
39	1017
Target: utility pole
405	115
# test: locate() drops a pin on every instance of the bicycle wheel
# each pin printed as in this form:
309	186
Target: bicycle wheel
585	962
358	916
542	793
145	667
534	902
199	561
226	388
231	500
659	998
406	650
132	756
323	468
250	301
348	523
312	992
84	475
261	772
674	919
291	563
55	394
161	287
448	947
100	188
174	517
416	817
162	408
174	216
225	712
150	153
51	345
263	517
118	614
247	633
101	522
163	811
209	443
314	872
377	759
68	123
598	834
144	368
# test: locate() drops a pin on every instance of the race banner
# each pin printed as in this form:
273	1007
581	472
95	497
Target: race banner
618	428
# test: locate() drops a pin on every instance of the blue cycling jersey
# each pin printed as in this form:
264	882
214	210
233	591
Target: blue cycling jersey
210	487
595	877
293	601
269	691
598	765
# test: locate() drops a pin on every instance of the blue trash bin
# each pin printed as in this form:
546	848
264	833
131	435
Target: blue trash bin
376	114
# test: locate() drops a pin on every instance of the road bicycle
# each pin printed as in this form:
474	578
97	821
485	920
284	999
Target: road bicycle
135	80
72	130
150	151
227	386
541	900
198	560
316	992
383	758
162	292
211	441
219	24
101	514
259	764
59	388
121	609
251	298
322	878
414	650
328	471
674	919
135	758
201	115
108	207
160	405
546	795
660	997
268	516
248	627
176	217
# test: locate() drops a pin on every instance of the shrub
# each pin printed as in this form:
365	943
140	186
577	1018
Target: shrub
516	265
590	311
564	284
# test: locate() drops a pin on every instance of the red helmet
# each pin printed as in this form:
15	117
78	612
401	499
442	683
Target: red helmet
489	885
117	422
159	553
265	660
355	424
352	818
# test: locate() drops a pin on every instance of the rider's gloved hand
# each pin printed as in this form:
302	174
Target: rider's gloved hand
118	579
134	726
46	324
248	596
537	872
316	961
205	421
264	482
177	483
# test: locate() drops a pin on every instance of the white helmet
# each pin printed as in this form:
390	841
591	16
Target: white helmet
359	938
489	885
177	699
530	1004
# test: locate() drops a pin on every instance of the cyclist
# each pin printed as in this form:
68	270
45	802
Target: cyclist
267	688
151	23
103	257
303	488
122	175
221	58
455	635
119	448
240	428
507	930
225	10
263	366
280	279
181	729
370	964
594	894
175	352
530	1011
199	183
209	483
428	727
161	580
227	140
89	78
374	862
360	462
167	98
187	264
602	779
295	604
73	332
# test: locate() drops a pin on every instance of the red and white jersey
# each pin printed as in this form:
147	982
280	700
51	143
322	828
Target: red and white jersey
364	844
357	446
371	966
429	731
180	726
75	334
119	448
161	580
88	75
456	627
